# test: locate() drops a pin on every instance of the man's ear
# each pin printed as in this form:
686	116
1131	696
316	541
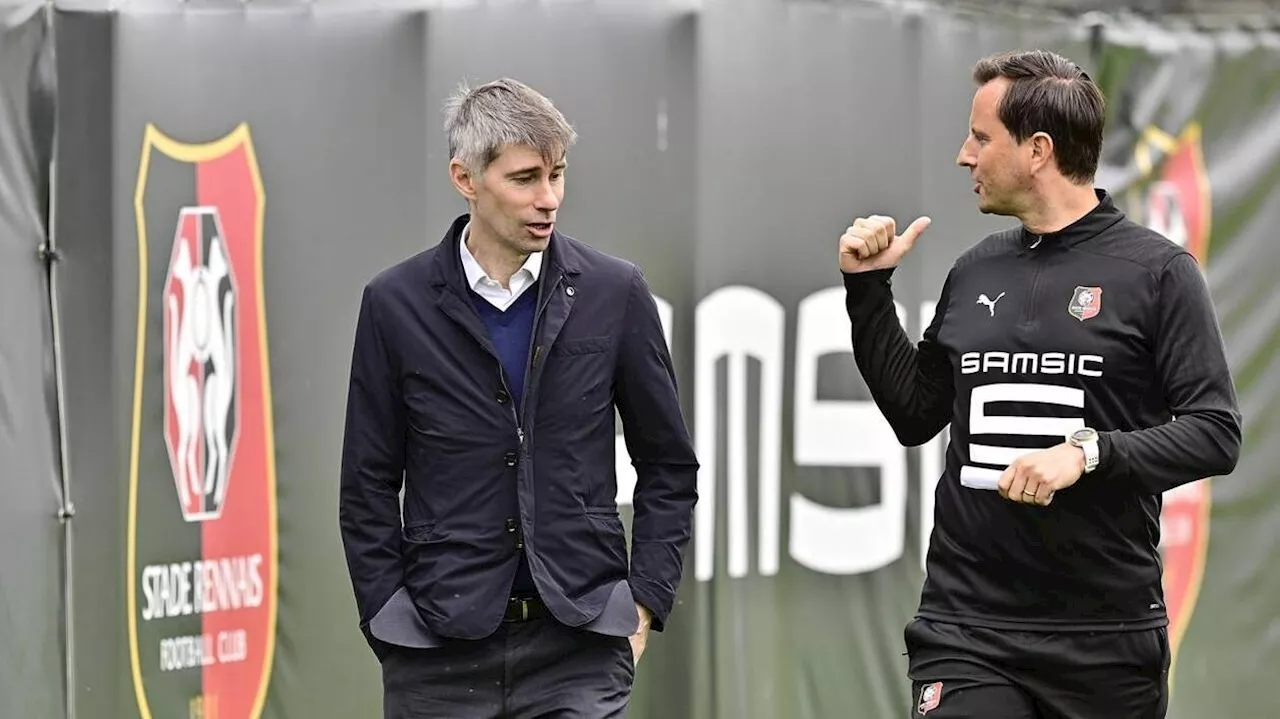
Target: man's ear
462	180
1041	151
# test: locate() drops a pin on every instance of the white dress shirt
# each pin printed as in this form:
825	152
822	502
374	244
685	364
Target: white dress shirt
489	288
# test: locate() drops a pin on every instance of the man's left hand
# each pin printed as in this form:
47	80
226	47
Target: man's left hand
641	636
1033	478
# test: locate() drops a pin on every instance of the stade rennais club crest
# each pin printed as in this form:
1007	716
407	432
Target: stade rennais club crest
1175	201
201	554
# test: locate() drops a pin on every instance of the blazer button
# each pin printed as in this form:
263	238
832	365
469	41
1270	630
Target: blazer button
511	459
503	397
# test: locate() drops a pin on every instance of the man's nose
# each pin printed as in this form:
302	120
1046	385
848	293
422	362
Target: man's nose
546	199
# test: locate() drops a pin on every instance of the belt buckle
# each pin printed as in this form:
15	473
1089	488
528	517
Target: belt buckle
524	608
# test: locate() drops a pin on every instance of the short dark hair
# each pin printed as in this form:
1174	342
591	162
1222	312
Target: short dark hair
1051	94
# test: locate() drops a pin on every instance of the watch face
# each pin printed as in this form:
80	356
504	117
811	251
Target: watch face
1083	435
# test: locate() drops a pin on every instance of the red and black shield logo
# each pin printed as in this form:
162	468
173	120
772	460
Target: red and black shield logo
930	697
1177	197
1086	302
202	560
1177	203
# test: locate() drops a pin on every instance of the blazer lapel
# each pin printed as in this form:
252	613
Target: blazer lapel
446	276
559	293
465	315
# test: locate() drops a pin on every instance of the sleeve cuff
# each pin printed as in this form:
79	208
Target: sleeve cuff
644	594
865	291
861	280
1104	450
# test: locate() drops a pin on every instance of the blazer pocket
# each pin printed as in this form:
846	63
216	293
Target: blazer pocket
606	525
419	532
584	346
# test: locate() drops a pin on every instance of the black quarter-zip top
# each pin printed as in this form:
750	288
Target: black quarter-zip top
1103	324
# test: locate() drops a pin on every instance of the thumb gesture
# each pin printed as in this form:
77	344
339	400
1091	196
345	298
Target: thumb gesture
870	243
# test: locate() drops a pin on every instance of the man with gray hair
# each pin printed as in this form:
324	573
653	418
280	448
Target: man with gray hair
484	379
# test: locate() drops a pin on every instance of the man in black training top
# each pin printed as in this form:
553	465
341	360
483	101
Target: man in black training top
1060	354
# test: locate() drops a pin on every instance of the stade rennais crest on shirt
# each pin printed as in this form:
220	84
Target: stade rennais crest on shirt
1174	199
201	539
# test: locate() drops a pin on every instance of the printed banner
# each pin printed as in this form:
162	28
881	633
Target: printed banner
202	557
721	152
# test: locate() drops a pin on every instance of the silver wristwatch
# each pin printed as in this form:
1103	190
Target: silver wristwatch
1087	440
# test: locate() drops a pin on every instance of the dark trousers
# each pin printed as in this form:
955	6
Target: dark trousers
536	669
960	672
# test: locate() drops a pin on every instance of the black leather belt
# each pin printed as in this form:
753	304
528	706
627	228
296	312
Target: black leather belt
521	609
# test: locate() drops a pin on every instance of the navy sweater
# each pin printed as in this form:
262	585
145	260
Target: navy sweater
511	332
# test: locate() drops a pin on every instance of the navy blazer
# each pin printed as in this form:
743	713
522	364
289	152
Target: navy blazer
427	413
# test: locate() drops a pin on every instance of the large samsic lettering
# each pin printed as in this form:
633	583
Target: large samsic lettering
739	324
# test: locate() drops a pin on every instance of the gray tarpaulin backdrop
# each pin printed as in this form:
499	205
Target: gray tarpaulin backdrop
230	175
31	538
